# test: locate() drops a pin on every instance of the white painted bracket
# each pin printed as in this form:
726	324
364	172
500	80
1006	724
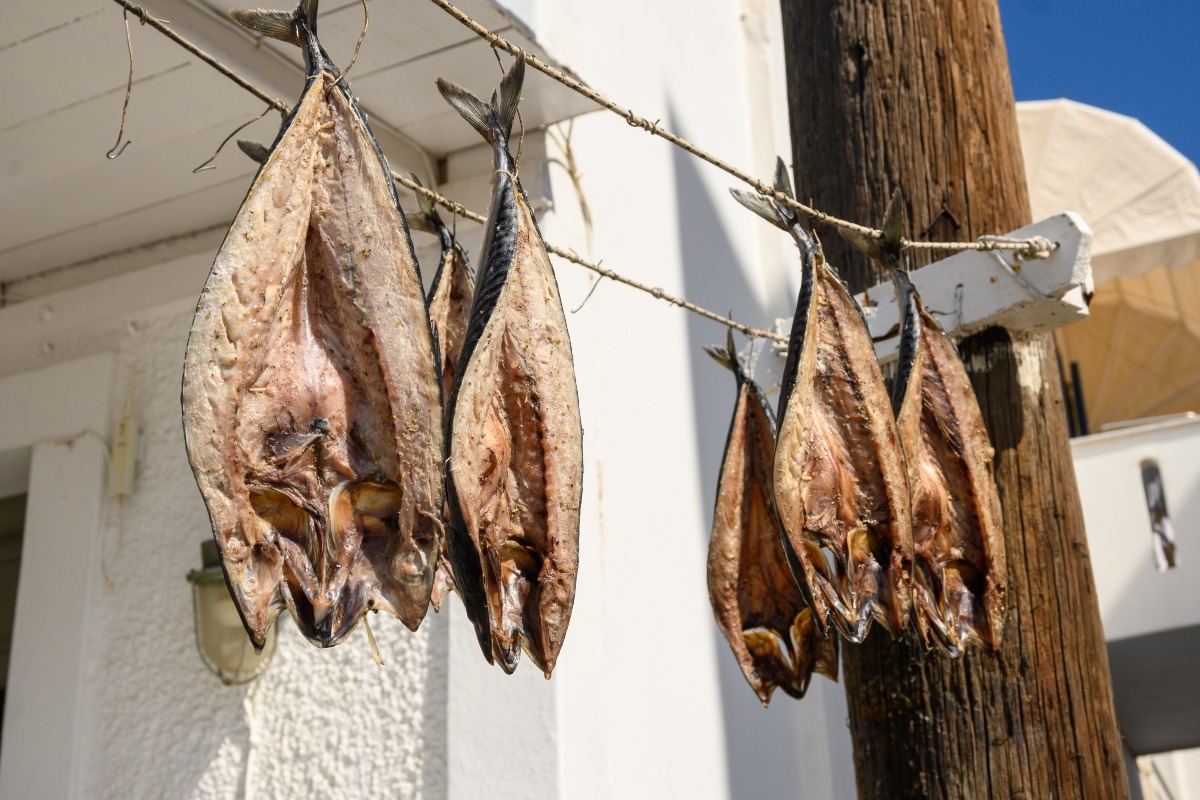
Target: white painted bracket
974	290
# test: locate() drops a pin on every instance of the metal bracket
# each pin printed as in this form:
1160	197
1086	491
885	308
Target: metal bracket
976	289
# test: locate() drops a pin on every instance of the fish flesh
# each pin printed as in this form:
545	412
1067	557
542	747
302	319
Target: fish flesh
754	596
840	485
959	577
311	397
449	304
514	442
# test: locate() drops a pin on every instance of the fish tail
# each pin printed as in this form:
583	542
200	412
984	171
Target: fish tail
495	119
886	249
727	356
765	206
281	25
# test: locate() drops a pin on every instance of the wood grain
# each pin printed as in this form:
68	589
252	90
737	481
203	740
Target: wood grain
917	94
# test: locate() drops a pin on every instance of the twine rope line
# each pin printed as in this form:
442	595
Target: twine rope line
163	27
1033	248
457	209
597	267
118	148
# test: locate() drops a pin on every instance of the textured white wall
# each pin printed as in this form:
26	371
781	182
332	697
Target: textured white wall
651	701
646	700
154	723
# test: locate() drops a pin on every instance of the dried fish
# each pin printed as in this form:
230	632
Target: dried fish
754	596
449	312
513	434
310	393
959	576
451	291
840	484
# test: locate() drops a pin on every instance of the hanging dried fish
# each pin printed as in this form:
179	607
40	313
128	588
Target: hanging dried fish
840	484
449	312
310	391
450	293
513	434
756	601
959	576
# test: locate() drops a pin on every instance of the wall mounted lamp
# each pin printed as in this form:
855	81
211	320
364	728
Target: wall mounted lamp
224	646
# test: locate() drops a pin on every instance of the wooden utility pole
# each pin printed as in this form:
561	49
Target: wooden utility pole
917	94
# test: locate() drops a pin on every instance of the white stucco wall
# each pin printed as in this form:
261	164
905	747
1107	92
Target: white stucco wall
647	700
151	721
655	704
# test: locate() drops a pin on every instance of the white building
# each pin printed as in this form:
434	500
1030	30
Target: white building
101	262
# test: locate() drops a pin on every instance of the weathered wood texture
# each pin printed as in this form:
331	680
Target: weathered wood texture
917	94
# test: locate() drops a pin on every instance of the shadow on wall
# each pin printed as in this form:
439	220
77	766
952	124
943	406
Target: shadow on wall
765	748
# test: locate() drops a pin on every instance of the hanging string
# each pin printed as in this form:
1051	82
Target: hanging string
163	27
456	208
1035	247
207	165
357	46
118	148
573	257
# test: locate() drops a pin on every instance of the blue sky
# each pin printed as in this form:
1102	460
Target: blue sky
1136	58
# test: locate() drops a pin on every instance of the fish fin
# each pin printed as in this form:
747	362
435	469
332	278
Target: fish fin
481	115
510	95
783	179
307	11
885	249
720	355
426	202
491	118
727	356
256	150
863	243
279	25
417	222
764	206
894	222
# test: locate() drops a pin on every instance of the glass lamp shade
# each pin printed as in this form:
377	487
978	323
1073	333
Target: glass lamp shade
221	638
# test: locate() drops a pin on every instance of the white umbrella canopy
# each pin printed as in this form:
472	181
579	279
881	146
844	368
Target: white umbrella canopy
1138	352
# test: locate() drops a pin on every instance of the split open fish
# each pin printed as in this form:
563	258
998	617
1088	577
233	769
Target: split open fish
513	434
754	596
959	576
449	303
840	485
310	392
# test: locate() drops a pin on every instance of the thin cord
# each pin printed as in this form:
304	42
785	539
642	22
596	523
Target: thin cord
162	26
1036	247
357	46
450	205
208	164
118	148
574	258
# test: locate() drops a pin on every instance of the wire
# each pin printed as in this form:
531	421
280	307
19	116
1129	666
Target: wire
450	205
118	148
1036	247
163	27
357	46
596	267
207	165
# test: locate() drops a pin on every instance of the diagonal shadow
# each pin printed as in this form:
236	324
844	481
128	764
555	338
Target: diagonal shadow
762	745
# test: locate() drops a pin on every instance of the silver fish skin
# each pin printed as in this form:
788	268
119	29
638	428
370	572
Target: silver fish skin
514	440
840	486
960	574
